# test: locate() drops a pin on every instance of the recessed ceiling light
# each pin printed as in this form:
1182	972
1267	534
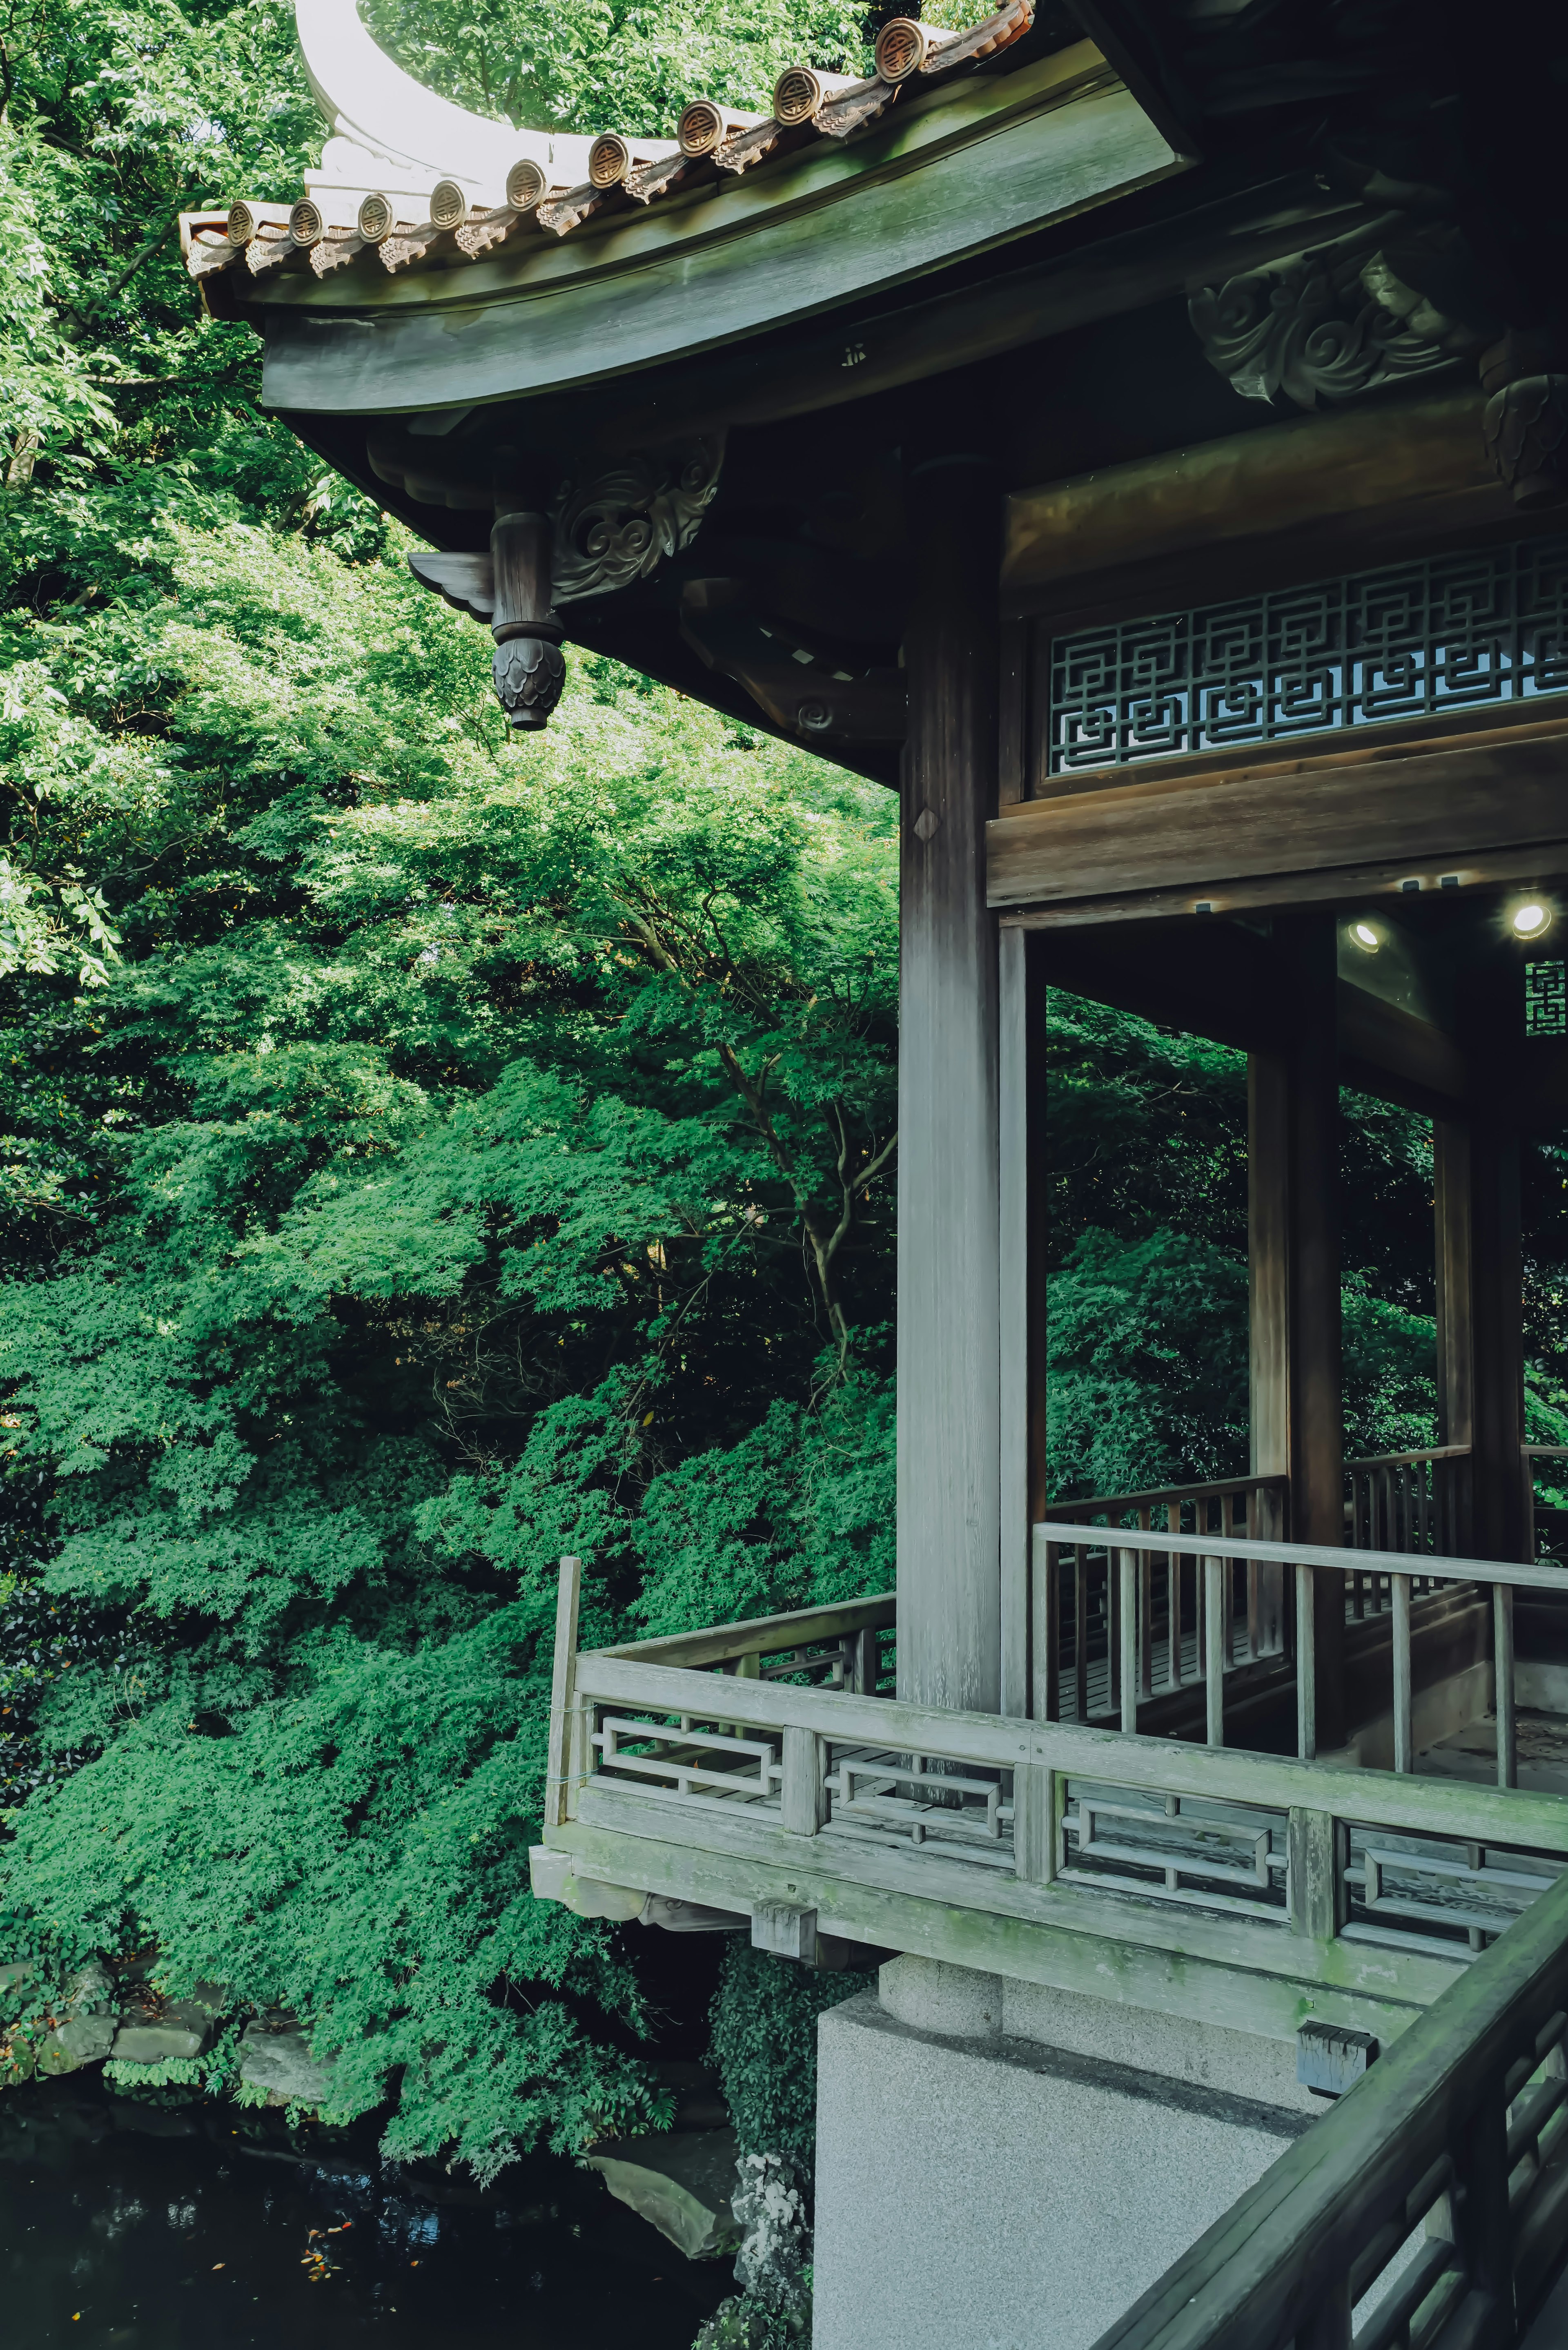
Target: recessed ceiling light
1530	920
1366	937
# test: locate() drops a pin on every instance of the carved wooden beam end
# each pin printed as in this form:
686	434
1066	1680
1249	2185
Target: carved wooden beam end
1526	419
529	668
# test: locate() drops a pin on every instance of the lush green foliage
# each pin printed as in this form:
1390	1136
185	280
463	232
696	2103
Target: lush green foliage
422	1154
765	2045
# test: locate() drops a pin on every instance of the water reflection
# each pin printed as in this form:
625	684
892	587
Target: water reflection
126	2225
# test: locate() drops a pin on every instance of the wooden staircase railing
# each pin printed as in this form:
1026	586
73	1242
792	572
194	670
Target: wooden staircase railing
1432	2200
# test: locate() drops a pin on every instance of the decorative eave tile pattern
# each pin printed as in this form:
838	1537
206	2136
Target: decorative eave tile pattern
256	241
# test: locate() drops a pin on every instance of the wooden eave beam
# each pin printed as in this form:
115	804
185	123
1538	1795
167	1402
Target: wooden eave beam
1351	822
1138	535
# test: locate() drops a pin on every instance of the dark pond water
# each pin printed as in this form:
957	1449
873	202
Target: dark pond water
150	2227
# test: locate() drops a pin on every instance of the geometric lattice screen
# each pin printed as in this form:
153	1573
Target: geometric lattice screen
1545	999
1411	640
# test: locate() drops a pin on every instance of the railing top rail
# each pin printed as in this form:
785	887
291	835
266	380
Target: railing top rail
1412	1459
1218	1486
761	1634
1462	1809
1293	1553
1247	2280
1544	1451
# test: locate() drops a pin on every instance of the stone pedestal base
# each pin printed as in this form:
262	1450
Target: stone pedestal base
979	2191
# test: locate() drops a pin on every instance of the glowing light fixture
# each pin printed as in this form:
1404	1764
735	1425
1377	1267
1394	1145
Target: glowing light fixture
1531	920
1366	937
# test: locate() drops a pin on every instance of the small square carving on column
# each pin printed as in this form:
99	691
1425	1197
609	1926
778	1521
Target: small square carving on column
925	824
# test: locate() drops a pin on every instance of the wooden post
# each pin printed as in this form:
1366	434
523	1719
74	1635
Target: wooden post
949	1468
557	1775
1294	1273
1014	1309
1131	1633
1501	1521
1403	1695
803	1795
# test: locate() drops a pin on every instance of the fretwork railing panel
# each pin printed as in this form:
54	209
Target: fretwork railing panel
1430	1893
915	1802
1225	1858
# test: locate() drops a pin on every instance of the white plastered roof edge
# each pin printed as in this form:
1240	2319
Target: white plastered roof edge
368	99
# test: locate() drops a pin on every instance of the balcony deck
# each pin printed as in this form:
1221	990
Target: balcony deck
761	1772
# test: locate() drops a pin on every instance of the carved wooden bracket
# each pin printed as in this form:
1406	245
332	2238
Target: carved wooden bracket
603	533
1526	418
529	670
1326	326
803	692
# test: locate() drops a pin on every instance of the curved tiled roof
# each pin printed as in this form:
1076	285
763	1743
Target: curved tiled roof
257	240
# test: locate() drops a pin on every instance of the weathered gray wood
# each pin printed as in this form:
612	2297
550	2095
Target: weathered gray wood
1248	1977
1316	1843
1503	1700
1164	835
1044	1630
948	1436
762	1634
1435	1806
1127	1613
1404	1758
1321	1555
844	219
1035	1800
557	1783
864	1669
802	1797
1012	1092
1248	2280
1215	1630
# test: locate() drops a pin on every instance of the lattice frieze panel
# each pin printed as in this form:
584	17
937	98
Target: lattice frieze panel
680	1759
1177	1848
1431	1893
916	1802
1410	641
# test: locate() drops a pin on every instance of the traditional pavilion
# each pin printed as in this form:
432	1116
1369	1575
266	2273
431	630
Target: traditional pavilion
1135	430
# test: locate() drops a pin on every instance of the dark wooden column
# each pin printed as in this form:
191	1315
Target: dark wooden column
1500	1523
949	1293
1294	1270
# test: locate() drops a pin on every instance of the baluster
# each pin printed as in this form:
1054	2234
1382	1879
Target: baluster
1173	1604
1425	1482
1214	1647
1127	1613
1145	1606
1479	2203
1080	1632
864	1662
1306	1664
1047	1630
1328	2327
1403	1757
1113	1630
1503	1674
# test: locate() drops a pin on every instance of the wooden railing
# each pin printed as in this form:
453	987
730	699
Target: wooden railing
658	1748
1414	1502
1078	1624
1136	1628
1432	2200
